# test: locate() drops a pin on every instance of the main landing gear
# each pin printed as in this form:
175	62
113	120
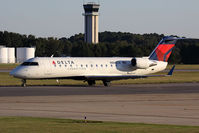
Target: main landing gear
23	82
107	83
91	82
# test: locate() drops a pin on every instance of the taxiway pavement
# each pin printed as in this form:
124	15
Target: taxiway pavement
140	103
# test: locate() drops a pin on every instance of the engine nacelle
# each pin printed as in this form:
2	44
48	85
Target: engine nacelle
142	63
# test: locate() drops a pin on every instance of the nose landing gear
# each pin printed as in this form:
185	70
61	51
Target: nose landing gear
23	83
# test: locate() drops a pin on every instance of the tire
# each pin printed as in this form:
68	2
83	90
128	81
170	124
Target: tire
107	83
91	82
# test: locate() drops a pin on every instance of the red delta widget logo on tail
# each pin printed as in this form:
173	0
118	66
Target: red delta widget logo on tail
163	50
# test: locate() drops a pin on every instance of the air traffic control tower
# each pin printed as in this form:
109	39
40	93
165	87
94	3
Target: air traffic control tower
91	22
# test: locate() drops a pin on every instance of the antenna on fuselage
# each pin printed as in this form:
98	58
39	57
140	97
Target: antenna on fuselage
52	56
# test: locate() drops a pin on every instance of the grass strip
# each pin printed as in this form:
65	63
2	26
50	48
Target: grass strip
50	125
8	66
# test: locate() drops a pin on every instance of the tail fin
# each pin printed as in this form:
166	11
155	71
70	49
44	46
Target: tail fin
164	49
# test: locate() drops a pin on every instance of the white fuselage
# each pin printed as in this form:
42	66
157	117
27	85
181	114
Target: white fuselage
63	67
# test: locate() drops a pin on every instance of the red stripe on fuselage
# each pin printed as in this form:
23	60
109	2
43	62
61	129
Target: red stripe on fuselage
162	49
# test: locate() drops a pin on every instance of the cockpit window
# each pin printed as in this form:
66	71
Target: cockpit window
30	64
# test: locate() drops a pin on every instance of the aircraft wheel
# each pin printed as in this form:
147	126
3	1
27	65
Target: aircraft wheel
91	82
23	83
106	83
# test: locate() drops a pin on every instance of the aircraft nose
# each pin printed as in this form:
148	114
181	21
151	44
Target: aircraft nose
17	73
14	72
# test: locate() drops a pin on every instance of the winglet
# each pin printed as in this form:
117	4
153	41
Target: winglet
171	71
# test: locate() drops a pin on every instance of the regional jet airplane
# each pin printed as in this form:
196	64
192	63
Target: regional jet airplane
92	69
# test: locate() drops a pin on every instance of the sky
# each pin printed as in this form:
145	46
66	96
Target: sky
63	18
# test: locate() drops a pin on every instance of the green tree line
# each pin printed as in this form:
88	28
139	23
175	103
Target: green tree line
112	44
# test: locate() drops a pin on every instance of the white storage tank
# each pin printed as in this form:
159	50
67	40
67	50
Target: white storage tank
29	53
11	55
20	57
3	55
24	54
